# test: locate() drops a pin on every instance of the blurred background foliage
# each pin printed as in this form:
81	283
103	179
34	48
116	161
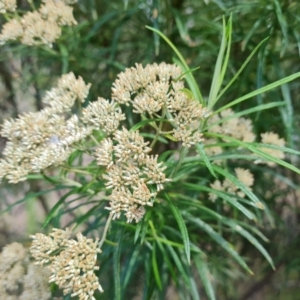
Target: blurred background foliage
111	36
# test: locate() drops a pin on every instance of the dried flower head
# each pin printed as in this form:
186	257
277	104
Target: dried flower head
42	26
245	177
211	148
153	80
19	278
104	115
37	30
272	139
131	173
42	139
72	263
12	30
156	90
57	12
228	186
68	90
7	5
227	124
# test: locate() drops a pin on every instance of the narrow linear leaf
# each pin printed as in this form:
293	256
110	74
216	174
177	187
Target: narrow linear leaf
207	211
182	228
248	111
226	197
138	230
57	205
237	228
190	78
219	240
131	264
275	147
194	289
217	77
189	281
116	264
238	183
203	271
254	147
178	264
241	69
86	215
264	89
167	261
201	151
29	196
155	267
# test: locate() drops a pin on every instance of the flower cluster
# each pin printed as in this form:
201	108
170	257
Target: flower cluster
38	140
103	115
19	278
72	263
228	186
68	90
38	27
272	139
130	173
7	5
226	123
157	91
242	129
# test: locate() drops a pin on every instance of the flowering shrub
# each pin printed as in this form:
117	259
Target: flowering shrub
155	164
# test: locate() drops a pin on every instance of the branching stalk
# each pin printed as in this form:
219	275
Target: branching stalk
105	231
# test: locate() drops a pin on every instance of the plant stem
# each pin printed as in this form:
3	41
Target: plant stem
105	231
158	130
95	140
76	171
77	184
156	136
183	153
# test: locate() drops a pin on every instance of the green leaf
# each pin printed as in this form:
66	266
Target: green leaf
254	147
155	267
138	228
167	260
29	196
248	111
116	264
188	279
86	215
221	64
178	264
238	183
262	90
152	136
130	267
64	58
206	160
203	271
145	122
226	197
241	69
193	288
57	205
182	228
218	239
190	78
252	240
188	93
